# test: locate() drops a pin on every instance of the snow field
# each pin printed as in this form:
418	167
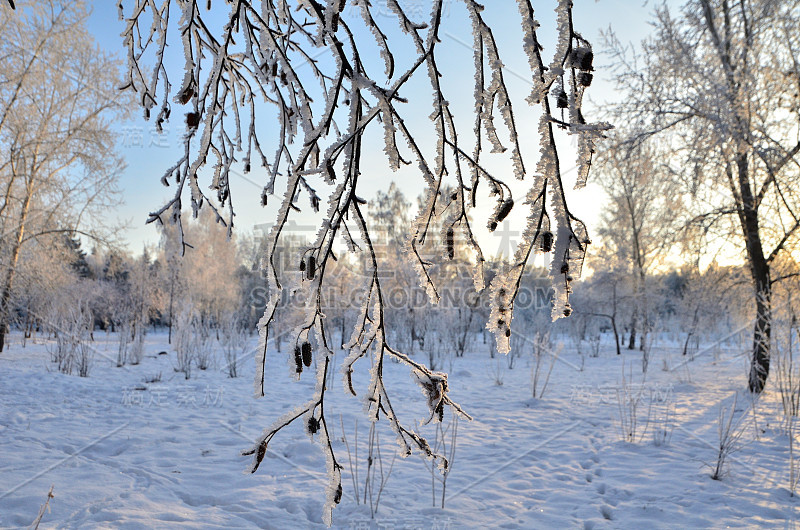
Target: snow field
126	453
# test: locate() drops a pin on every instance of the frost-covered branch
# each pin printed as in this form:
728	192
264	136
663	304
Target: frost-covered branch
241	69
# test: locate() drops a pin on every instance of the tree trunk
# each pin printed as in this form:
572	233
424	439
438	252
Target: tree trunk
171	290
759	269
632	341
5	298
759	369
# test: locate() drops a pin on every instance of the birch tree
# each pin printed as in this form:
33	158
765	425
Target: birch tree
718	85
242	64
57	98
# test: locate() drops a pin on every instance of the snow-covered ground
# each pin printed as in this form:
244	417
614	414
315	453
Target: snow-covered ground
123	452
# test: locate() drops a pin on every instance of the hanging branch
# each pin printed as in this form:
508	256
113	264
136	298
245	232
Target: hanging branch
249	62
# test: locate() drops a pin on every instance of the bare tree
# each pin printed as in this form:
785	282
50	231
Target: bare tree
719	84
57	95
637	223
250	61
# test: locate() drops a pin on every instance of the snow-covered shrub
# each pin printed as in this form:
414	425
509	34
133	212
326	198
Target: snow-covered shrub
787	369
729	434
541	350
124	339
457	330
203	344
136	353
84	356
376	475
634	408
664	425
577	328
519	343
794	464
233	340
594	344
445	441
496	370
70	321
185	343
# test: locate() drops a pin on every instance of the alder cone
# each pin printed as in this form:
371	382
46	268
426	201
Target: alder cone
298	359
186	95
192	120
450	242
562	102
310	266
338	497
547	241
505	209
313	425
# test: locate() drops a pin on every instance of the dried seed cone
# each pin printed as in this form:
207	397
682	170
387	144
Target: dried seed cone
313	425
298	359
192	120
547	241
505	209
450	242
310	267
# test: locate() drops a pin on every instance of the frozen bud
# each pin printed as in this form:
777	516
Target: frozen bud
259	451
262	450
186	95
508	332
337	498
306	353
585	78
492	226
567	310
564	268
302	265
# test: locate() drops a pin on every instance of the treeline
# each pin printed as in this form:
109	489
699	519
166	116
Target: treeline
206	286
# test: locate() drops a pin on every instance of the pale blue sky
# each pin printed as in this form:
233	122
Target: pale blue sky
148	154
